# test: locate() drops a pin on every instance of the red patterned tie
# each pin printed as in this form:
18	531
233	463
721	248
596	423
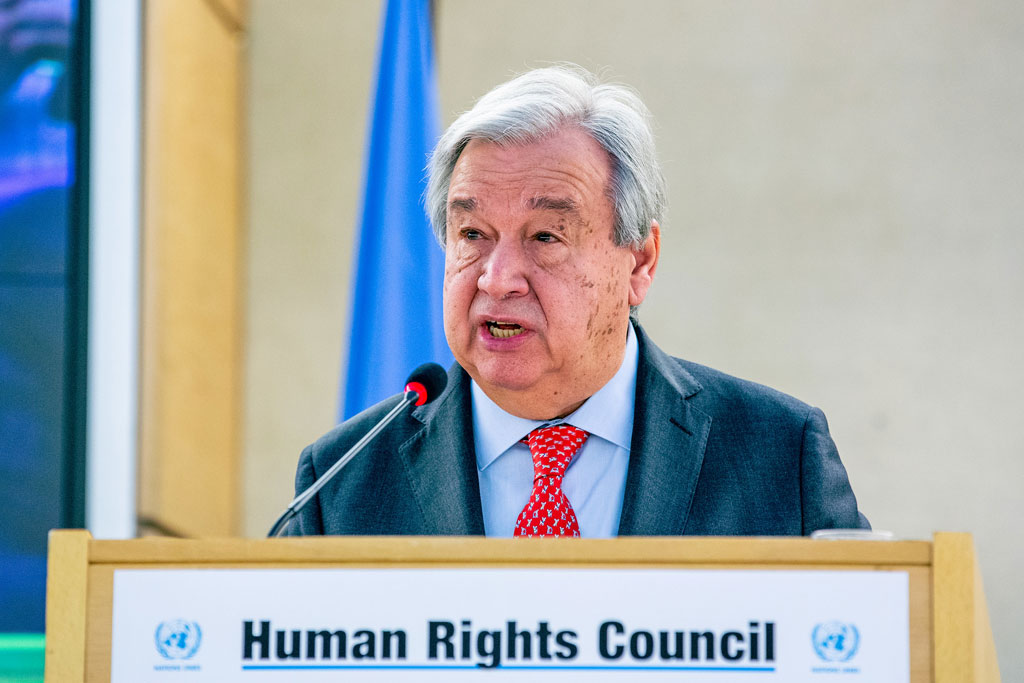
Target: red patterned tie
548	512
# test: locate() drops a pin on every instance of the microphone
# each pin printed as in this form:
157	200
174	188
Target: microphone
428	381
424	384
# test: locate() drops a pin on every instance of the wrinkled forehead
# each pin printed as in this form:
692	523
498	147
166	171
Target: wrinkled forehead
566	172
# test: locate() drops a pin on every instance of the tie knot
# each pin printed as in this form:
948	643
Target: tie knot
553	449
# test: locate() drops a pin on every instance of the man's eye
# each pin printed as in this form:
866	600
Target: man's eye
545	237
471	234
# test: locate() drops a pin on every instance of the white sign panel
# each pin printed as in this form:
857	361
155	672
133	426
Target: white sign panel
200	625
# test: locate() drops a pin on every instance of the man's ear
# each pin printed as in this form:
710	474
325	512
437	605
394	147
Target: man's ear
645	262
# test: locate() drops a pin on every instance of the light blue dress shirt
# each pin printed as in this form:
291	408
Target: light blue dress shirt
596	479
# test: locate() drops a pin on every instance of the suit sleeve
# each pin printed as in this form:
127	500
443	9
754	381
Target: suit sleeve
827	500
308	522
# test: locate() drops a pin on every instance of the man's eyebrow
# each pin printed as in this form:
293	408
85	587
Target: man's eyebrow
462	204
560	204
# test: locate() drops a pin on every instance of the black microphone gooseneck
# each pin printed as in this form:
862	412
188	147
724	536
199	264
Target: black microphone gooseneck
424	385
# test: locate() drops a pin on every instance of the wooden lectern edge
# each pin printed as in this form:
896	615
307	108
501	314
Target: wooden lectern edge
480	551
66	583
963	647
987	662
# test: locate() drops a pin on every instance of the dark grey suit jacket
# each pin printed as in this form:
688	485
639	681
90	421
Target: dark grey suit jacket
711	455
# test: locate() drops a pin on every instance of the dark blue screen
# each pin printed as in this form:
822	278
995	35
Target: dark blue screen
37	161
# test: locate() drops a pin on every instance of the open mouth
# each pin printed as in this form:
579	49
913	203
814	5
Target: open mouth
503	330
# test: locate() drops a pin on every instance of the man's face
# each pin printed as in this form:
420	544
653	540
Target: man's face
536	294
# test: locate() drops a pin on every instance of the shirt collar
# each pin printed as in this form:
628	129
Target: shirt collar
608	414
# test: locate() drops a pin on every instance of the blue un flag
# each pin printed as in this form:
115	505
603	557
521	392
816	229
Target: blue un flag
396	305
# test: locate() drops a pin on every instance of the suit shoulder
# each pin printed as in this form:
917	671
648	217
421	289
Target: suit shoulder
715	392
734	393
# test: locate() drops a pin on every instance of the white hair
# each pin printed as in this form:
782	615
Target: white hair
543	101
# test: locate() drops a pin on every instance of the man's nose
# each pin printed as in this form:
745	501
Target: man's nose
504	272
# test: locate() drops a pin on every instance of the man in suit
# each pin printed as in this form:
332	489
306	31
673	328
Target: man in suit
561	417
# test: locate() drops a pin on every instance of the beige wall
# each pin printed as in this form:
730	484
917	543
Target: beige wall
309	83
844	224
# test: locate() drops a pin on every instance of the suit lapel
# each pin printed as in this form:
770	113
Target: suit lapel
669	438
440	464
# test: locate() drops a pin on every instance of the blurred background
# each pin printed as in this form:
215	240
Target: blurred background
42	95
181	185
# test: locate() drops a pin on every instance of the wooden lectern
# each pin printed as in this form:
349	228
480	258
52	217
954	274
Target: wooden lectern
950	636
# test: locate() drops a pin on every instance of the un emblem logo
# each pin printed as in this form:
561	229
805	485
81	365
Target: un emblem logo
835	641
178	639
